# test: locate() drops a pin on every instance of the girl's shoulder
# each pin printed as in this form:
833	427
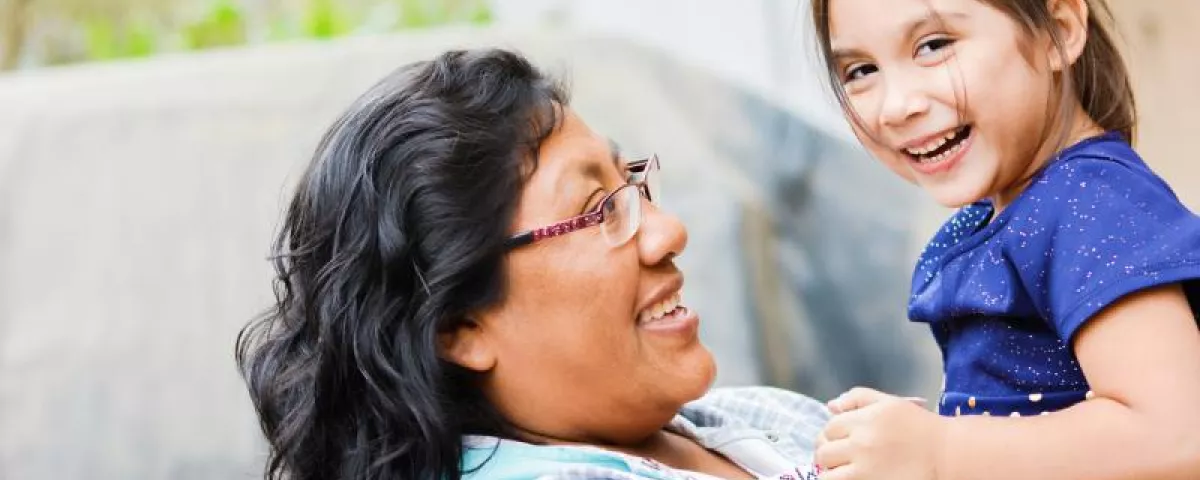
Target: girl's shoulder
1093	226
1094	188
1097	225
1095	166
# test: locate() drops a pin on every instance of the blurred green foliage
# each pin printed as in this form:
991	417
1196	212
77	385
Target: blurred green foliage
223	25
68	31
323	19
420	14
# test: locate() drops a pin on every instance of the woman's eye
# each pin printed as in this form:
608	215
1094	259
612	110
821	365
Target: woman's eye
858	71
609	208
933	46
593	202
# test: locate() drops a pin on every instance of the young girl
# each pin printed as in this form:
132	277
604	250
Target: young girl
1064	293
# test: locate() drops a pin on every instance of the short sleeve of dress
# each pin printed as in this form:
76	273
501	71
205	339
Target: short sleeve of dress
1114	228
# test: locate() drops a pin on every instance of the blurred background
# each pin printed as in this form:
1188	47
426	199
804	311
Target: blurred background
146	148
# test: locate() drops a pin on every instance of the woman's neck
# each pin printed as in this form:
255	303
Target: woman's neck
665	447
652	445
677	451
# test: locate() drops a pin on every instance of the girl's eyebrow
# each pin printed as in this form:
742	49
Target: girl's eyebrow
839	55
930	19
910	28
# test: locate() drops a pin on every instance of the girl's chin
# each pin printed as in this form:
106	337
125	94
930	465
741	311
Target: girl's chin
951	196
956	190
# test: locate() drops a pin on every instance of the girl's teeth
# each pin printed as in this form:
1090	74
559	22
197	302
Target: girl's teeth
943	155
936	144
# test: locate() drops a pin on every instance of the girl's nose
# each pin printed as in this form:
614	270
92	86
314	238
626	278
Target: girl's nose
903	101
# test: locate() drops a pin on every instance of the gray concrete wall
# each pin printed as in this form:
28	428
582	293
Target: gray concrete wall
137	203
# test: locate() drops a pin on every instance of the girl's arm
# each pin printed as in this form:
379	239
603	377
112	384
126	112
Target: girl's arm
1141	356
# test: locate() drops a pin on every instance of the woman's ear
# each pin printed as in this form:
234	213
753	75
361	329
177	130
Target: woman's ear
468	346
1071	25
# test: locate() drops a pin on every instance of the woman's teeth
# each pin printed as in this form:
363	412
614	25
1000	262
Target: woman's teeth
660	310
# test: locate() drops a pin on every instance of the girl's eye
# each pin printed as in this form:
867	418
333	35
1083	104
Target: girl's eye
858	71
933	46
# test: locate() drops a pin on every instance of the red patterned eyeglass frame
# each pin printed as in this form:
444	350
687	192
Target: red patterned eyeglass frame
639	168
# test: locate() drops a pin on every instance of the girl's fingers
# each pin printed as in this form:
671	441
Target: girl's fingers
838	428
834	455
856	398
841	473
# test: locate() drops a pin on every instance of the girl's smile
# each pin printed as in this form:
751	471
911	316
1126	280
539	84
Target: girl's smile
941	152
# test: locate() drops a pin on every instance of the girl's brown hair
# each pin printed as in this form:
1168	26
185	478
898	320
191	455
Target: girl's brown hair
1099	79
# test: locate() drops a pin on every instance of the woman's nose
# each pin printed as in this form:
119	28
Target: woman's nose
661	237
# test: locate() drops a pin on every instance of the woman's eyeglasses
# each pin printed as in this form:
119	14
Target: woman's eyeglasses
619	213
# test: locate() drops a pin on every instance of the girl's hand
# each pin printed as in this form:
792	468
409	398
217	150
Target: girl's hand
875	435
859	397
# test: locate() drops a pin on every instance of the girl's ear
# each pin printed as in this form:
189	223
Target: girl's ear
1070	19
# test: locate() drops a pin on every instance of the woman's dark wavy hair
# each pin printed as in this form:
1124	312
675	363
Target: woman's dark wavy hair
395	232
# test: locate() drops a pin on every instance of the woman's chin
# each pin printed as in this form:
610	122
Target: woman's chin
704	367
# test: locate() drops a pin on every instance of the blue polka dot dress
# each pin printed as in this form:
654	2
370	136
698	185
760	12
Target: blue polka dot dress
1005	295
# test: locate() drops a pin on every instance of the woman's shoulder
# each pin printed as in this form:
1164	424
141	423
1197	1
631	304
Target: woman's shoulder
752	402
765	409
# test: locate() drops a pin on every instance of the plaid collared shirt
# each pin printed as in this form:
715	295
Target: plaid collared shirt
767	431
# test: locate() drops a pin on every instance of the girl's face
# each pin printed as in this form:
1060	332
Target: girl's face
950	94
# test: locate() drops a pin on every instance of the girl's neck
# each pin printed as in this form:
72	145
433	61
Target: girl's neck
1083	127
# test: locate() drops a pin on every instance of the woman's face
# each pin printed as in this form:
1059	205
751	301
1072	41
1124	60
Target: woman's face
569	354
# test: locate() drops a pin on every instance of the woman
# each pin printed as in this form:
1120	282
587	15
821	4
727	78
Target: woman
472	284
